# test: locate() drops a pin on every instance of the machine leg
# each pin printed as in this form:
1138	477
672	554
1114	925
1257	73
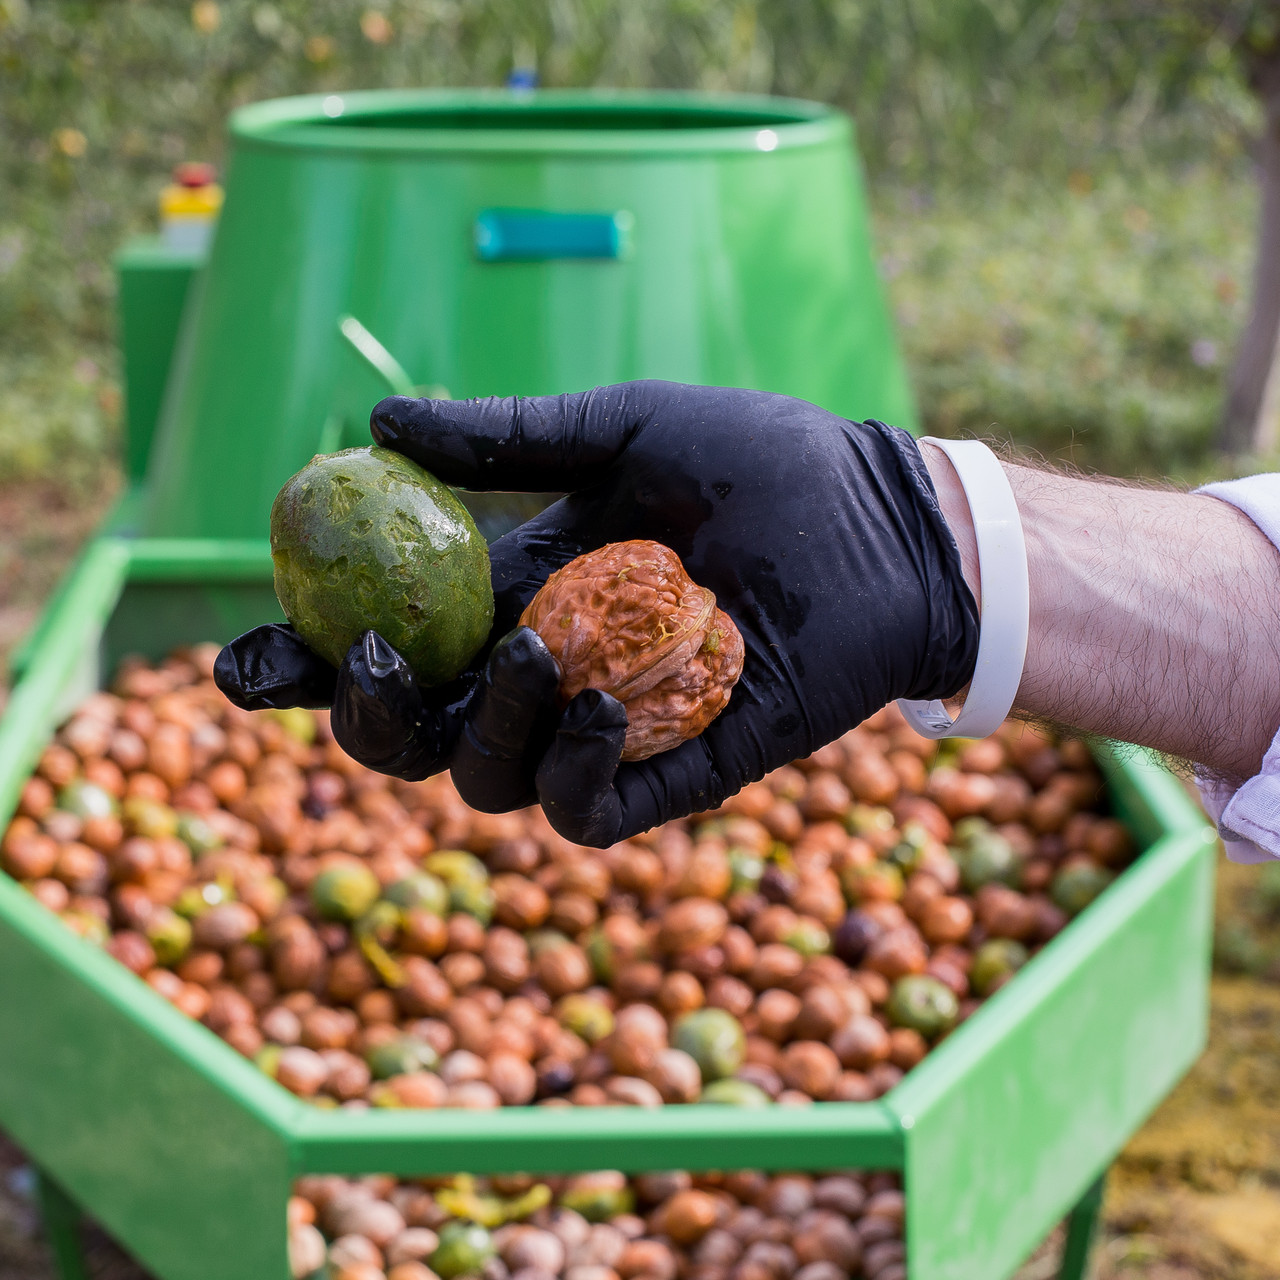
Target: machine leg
61	1218
1082	1227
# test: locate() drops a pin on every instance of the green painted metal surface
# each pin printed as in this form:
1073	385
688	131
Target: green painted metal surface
547	1140
1082	1231
186	1153
1011	1120
60	1217
172	1141
153	283
748	263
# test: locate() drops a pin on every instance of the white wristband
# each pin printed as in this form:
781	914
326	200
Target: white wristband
1005	606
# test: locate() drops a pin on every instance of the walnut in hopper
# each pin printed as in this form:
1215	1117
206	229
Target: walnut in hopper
629	620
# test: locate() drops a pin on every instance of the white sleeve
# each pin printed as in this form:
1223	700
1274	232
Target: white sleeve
1248	816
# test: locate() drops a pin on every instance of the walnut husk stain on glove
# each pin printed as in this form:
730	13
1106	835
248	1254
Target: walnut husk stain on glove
629	621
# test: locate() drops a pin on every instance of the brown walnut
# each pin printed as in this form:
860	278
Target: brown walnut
628	620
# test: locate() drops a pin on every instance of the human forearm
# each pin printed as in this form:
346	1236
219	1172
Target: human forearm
1155	615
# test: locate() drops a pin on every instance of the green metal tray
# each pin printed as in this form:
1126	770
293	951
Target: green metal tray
186	1153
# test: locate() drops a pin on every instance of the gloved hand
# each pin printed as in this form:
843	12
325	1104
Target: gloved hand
820	537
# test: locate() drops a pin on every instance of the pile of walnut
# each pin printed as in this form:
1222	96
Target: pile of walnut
600	1226
371	942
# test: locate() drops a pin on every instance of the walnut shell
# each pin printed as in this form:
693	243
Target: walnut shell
628	620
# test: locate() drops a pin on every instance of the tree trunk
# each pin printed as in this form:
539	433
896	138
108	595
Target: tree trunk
1251	419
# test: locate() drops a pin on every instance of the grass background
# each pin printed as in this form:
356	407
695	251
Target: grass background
1062	189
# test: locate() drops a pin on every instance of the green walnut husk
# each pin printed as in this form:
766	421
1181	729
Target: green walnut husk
196	899
196	833
462	1200
169	935
467	880
463	1250
714	1039
401	1057
297	722
87	800
267	1059
1077	884
985	856
600	954
735	1093
473	898
540	940
924	1004
374	932
344	892
868	819
908	854
598	1197
874	880
149	818
420	889
808	937
994	961
455	866
588	1018
746	868
367	539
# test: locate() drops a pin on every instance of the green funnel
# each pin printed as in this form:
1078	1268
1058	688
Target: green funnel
481	243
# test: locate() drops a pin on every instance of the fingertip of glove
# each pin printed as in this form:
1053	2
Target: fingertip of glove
379	657
376	669
228	675
270	666
575	780
522	658
594	713
386	422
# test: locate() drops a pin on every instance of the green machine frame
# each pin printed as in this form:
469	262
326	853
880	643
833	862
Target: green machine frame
186	1153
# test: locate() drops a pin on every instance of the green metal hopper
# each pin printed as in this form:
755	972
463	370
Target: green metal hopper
510	244
186	1153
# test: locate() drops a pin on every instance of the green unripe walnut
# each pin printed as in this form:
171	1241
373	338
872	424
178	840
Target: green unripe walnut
456	866
87	800
1077	884
714	1039
344	892
735	1093
463	1250
169	935
401	1056
587	1017
924	1004
419	889
365	539
986	857
598	1196
994	963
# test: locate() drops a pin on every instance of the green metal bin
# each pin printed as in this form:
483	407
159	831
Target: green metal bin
497	243
186	1153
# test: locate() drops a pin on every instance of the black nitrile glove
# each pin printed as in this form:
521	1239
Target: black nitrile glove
821	538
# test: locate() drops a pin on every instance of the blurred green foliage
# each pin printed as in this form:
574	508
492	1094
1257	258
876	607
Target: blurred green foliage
1062	190
1089	319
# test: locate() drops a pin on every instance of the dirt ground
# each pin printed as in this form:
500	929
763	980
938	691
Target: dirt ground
1195	1196
41	528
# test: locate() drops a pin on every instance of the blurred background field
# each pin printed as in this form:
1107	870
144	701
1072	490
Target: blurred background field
1065	197
1063	191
